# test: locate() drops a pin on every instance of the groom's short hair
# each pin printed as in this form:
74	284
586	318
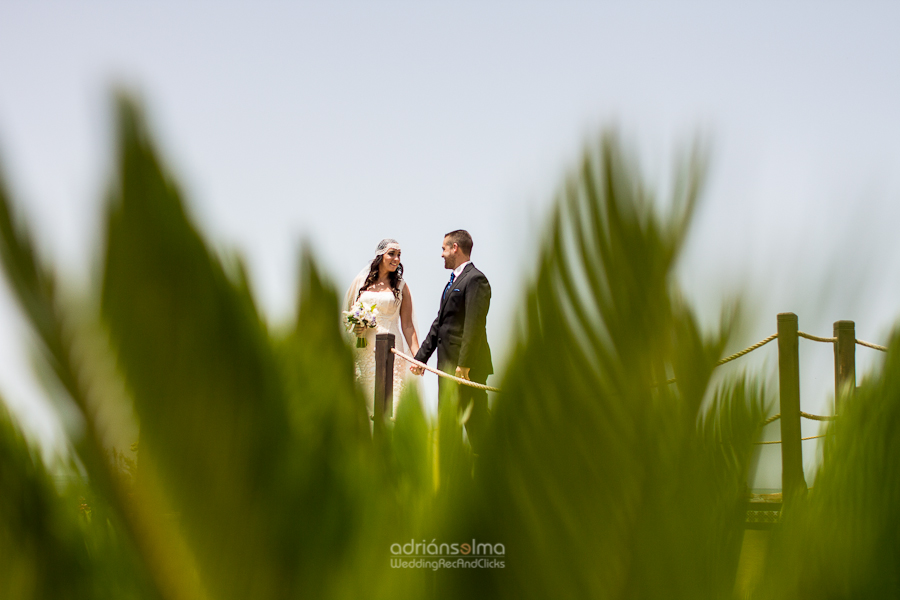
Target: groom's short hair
461	238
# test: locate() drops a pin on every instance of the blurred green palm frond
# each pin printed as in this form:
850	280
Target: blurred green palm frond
261	447
612	467
599	477
256	476
41	543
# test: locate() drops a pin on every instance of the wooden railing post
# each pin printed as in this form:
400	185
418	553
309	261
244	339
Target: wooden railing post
384	380
793	482
844	362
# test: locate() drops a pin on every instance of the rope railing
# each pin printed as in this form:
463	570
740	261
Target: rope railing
803	334
871	345
762	343
816	417
816	338
812	437
805	415
765	341
747	350
832	340
459	380
736	355
719	363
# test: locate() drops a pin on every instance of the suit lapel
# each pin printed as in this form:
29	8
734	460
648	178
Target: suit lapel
456	284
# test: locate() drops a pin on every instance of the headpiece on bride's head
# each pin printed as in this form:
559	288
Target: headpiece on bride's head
385	245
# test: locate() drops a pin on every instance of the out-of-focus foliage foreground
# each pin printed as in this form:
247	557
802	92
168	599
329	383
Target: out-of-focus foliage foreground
255	474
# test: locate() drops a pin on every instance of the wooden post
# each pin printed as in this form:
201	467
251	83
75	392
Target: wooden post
844	362
793	482
384	380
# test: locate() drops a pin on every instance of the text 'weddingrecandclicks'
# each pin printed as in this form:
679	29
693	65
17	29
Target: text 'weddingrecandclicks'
434	556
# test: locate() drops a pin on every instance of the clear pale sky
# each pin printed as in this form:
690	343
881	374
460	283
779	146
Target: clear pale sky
283	121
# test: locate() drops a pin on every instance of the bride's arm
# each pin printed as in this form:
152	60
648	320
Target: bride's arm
406	321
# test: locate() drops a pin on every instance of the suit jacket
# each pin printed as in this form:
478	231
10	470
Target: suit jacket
458	333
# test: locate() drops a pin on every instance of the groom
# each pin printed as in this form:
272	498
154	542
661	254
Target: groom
458	333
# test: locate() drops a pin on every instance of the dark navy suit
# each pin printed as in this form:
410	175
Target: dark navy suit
460	338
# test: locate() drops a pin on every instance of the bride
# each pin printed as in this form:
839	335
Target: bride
381	283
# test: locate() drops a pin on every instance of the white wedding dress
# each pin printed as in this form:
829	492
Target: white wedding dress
388	321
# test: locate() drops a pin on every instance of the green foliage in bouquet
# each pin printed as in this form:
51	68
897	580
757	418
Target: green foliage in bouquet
257	475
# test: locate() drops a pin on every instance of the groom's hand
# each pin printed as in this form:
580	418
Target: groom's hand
463	373
417	369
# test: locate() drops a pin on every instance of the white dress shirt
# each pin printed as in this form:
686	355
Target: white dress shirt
458	270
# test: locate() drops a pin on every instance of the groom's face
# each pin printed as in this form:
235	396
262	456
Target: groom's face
450	253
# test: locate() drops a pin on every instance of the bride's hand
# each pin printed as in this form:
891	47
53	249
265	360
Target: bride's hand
359	330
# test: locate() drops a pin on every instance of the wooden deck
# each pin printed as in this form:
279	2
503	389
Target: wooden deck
763	512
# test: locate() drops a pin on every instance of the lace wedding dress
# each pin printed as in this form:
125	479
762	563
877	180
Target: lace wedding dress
388	321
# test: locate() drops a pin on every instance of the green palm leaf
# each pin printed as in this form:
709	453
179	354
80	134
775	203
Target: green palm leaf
597	478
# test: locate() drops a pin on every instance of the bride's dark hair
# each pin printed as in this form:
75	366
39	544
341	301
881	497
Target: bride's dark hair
394	278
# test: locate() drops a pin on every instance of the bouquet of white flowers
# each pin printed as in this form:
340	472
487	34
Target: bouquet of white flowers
361	314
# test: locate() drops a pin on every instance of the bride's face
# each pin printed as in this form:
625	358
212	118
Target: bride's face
390	260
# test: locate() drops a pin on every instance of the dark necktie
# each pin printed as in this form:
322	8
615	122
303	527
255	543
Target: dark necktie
449	283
